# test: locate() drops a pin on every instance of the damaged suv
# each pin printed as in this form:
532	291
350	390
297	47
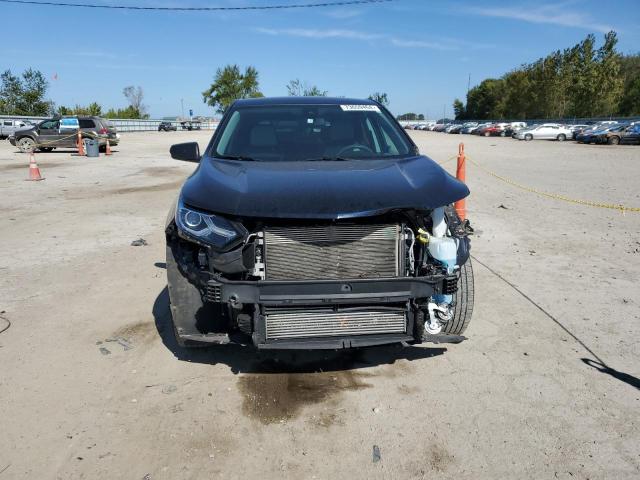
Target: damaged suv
316	223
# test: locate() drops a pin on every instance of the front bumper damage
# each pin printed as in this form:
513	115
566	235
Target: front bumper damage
236	311
398	294
218	296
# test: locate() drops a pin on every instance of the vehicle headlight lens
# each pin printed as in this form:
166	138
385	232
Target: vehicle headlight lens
205	227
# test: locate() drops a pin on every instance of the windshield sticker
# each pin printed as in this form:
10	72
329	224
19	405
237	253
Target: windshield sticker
359	108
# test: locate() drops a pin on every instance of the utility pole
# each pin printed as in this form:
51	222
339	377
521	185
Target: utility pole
468	85
444	112
182	106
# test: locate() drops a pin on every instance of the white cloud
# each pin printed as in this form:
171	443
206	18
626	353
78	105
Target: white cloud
399	42
357	35
556	14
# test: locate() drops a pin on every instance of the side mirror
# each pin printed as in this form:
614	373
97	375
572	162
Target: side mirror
189	151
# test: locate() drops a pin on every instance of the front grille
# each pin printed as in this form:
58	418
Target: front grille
296	323
336	251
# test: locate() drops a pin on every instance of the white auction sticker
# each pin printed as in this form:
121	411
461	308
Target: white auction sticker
360	108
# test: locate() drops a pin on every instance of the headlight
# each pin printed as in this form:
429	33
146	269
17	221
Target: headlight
207	228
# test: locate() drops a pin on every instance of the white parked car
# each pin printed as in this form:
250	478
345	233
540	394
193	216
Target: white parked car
547	131
9	127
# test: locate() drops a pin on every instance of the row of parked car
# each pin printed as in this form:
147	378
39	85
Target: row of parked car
607	132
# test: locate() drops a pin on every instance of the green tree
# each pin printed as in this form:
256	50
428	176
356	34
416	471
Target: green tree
484	100
408	116
129	112
580	81
380	97
458	109
24	95
135	97
630	72
297	88
229	85
93	109
610	83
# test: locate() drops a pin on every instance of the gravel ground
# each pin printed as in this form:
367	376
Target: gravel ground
92	384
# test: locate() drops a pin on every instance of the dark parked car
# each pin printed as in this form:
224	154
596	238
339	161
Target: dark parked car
631	135
191	125
166	127
611	136
316	223
62	132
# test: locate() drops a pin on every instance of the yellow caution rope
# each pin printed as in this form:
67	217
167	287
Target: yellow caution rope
555	196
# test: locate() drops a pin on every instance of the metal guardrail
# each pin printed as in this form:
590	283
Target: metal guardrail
124	124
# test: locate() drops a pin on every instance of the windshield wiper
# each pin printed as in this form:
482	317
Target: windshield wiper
236	157
328	159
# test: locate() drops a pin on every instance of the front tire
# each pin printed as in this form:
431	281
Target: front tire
26	144
562	137
614	141
528	137
463	302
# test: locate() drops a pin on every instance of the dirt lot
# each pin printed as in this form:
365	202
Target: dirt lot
92	384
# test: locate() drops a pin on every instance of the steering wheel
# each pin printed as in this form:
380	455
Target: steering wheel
355	148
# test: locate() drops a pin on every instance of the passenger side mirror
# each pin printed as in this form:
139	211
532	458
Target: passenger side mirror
189	151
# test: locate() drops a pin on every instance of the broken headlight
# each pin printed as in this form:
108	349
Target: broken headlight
205	227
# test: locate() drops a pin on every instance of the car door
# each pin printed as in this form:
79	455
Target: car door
49	133
6	128
632	135
88	126
540	132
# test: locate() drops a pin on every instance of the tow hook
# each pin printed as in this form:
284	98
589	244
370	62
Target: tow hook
438	316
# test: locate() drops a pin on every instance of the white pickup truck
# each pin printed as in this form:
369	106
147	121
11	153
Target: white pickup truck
9	127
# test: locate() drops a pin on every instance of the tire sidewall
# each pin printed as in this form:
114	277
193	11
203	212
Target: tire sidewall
26	141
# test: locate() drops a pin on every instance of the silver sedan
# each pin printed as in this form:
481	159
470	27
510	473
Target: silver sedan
547	131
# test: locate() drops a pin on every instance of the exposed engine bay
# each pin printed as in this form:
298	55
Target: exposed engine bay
319	282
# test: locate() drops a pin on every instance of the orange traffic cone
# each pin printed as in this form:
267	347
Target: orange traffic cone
34	171
108	150
460	205
80	145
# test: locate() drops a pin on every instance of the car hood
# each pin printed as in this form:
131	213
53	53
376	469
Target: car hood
321	189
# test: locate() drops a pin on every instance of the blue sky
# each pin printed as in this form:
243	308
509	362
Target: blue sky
418	51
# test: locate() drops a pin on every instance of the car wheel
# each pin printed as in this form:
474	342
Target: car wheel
503	134
562	137
463	302
26	144
613	140
528	137
487	134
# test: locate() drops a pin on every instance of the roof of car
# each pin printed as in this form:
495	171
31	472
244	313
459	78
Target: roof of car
303	101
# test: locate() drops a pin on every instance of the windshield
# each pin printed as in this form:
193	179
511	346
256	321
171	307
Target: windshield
310	132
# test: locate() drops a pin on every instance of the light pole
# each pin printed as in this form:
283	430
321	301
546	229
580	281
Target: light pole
182	106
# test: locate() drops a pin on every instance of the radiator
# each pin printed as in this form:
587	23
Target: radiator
282	323
337	251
